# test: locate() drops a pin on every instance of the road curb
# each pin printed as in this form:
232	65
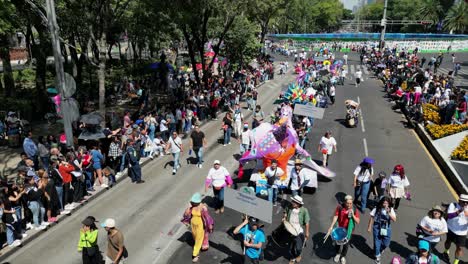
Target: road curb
444	164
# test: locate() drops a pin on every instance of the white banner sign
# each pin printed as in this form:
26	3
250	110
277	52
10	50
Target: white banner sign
309	110
247	203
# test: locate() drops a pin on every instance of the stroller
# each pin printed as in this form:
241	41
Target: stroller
351	113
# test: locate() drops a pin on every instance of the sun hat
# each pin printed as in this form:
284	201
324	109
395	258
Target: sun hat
423	244
196	198
298	162
110	223
216	162
368	160
464	197
436	208
297	199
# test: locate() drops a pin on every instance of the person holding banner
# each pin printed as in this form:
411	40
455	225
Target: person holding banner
253	237
345	217
298	216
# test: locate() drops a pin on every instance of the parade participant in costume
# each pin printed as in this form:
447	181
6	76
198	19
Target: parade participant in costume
298	216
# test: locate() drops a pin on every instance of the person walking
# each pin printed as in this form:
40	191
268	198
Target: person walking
198	144
358	76
346	217
298	216
432	226
98	159
457	215
44	152
88	243
201	223
258	116
238	119
380	226
253	239
273	174
174	144
116	252
326	146
299	178
345	58
134	168
30	148
398	185
423	255
227	126
363	175
115	153
218	178
244	139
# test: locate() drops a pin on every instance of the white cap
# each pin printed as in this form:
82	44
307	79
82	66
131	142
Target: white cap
217	162
108	223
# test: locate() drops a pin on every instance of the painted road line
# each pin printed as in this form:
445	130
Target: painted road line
452	191
363	128
366	150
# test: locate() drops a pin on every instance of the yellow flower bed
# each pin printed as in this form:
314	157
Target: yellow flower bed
440	131
431	113
461	152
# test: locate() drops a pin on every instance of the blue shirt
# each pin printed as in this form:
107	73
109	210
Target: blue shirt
254	237
29	147
97	157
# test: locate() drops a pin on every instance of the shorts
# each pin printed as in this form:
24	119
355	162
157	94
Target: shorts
458	240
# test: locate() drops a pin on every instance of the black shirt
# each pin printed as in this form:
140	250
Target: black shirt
197	139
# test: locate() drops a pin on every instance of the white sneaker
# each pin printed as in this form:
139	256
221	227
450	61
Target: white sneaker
67	207
40	228
29	226
24	235
201	166
15	243
104	185
65	212
224	145
174	171
45	224
118	174
343	260
229	143
337	258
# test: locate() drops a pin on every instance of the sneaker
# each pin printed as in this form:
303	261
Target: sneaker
174	171
24	235
104	186
337	258
343	260
377	259
275	204
201	166
65	212
178	166
45	224
39	228
68	206
229	143
224	145
140	181
29	226
15	243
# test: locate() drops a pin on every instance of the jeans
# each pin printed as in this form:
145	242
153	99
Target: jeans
45	163
122	163
227	136
59	190
381	242
88	179
19	218
273	194
199	155
10	234
219	198
176	160
362	191
152	128
38	212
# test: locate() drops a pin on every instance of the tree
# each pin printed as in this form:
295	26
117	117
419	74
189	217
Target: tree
263	12
457	18
241	44
348	14
7	28
431	10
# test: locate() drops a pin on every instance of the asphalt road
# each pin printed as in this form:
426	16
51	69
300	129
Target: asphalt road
384	138
149	213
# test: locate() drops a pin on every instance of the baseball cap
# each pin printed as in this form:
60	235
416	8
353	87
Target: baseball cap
423	245
216	162
108	223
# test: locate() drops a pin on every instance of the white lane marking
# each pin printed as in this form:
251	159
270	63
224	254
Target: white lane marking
366	151
363	128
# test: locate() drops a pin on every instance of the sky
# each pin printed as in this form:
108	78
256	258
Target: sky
348	4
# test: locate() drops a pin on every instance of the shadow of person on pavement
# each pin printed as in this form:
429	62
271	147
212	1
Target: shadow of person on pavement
360	243
401	250
341	121
321	249
209	200
169	163
192	160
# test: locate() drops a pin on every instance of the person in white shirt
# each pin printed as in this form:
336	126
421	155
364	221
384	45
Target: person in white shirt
457	215
299	178
275	185
345	58
332	94
164	129
244	139
157	146
238	118
398	185
358	76
363	175
174	144
326	146
380	225
433	225
218	178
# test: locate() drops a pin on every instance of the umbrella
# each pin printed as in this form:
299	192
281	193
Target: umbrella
93	118
88	135
352	103
381	66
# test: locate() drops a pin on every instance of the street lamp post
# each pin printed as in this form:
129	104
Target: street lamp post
60	74
384	26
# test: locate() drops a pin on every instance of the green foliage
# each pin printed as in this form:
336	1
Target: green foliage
7	17
241	44
457	18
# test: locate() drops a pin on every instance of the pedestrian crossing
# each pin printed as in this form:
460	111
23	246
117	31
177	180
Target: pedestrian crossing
460	80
